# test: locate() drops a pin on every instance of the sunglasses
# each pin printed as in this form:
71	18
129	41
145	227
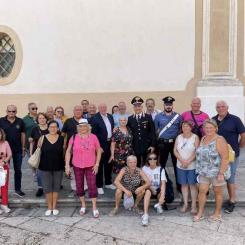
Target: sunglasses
34	108
12	111
154	158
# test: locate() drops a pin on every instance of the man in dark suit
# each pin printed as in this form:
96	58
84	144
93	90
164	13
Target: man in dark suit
143	130
102	125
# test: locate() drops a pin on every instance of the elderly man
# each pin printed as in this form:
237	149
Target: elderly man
121	112
92	109
30	121
196	116
231	128
69	129
102	125
14	129
150	108
143	131
50	113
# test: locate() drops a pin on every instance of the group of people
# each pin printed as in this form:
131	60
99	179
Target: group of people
92	145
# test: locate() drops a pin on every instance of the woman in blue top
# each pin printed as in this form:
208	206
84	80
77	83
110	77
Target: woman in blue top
212	165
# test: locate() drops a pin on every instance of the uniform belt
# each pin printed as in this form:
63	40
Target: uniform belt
166	140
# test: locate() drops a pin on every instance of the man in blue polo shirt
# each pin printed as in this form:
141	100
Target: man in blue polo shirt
230	127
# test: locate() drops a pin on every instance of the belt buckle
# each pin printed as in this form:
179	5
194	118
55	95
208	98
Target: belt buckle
170	140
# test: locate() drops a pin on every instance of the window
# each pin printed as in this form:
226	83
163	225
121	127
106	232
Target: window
10	55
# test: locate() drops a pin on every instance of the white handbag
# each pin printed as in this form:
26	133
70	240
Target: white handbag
34	159
3	176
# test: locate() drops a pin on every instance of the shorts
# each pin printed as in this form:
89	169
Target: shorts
51	180
186	177
208	180
233	167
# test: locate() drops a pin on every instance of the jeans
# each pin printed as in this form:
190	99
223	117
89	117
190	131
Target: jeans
17	162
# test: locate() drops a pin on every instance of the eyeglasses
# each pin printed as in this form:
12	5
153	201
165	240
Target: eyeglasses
152	159
12	111
34	108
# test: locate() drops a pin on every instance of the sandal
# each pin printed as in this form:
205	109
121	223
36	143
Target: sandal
196	218
96	213
214	218
82	211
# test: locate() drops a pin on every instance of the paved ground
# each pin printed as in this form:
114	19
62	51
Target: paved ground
29	226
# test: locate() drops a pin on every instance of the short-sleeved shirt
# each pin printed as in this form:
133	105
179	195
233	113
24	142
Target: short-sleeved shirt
84	150
230	128
154	176
5	151
70	127
13	132
30	123
52	158
200	118
161	120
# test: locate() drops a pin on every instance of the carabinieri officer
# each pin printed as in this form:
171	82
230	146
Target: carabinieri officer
143	130
167	124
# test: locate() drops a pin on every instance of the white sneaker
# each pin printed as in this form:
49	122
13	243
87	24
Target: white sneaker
5	209
48	212
145	220
55	212
100	191
158	208
111	186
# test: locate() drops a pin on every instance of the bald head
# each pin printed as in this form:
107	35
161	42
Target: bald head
222	108
196	105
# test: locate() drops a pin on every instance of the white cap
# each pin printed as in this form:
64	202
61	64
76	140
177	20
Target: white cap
83	121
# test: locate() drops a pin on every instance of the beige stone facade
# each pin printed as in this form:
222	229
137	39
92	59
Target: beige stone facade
222	59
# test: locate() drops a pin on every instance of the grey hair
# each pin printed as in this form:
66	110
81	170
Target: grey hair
221	102
212	122
131	157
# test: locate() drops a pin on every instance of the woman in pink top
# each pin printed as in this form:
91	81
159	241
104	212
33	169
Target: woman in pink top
5	156
84	148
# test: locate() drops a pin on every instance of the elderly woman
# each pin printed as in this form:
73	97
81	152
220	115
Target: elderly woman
86	154
5	156
157	188
212	166
121	145
185	152
51	165
131	181
36	133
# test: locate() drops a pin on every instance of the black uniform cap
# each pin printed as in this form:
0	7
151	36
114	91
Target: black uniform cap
137	100
168	100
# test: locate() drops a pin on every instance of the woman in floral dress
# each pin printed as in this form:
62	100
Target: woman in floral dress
121	145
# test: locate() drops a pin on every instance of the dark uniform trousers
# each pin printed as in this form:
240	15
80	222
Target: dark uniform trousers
166	148
141	159
104	167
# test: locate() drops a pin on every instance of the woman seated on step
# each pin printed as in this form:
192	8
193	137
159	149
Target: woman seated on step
132	182
158	179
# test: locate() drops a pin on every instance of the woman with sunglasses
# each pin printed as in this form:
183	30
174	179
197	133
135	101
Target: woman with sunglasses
59	116
5	156
158	186
185	152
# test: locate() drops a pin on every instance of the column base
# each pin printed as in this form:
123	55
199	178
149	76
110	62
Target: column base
210	91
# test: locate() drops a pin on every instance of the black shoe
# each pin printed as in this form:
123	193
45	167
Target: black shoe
229	208
19	193
39	192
